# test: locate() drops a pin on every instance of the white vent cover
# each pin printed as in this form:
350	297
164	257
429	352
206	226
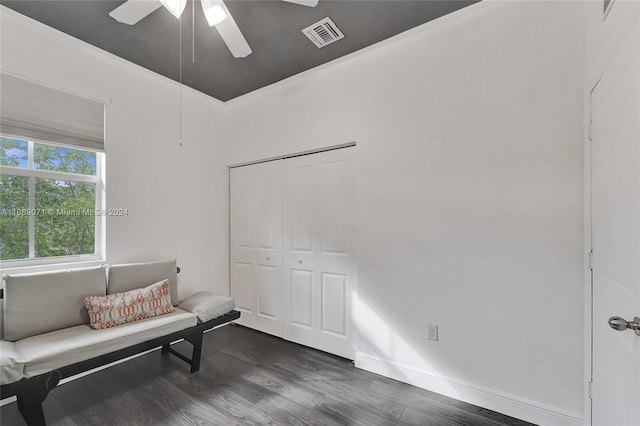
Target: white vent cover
323	32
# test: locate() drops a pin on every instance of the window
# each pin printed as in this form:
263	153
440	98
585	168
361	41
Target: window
51	174
50	201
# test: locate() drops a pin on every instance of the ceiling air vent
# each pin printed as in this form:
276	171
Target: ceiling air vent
323	32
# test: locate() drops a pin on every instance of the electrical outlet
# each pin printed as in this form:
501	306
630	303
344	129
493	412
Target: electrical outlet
432	332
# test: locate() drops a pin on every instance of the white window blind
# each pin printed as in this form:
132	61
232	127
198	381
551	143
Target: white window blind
32	110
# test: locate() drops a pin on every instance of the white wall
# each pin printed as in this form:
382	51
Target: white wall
176	196
469	142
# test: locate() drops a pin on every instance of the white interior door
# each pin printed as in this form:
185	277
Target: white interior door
319	262
616	238
256	245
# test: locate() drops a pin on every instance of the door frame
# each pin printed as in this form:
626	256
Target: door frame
588	249
590	87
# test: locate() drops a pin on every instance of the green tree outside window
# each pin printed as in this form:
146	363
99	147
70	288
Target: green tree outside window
60	213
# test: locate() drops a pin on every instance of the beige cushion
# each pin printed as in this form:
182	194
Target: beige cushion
43	302
11	368
65	347
207	306
137	275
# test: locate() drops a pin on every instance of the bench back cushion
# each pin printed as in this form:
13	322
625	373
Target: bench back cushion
137	275
48	301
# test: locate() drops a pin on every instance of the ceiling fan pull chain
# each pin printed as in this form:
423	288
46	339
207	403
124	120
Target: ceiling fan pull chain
180	70
193	31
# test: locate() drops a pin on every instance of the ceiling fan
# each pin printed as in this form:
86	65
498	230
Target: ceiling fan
215	11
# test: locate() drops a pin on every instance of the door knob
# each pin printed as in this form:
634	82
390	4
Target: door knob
268	257
621	324
299	260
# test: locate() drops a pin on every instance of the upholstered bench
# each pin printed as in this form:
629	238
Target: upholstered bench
49	334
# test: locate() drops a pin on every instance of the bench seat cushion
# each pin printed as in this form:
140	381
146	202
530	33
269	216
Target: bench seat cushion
130	276
208	305
10	366
47	352
48	301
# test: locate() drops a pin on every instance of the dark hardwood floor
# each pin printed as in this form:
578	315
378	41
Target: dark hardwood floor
249	378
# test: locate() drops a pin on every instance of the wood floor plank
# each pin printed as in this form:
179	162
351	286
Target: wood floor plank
331	361
347	414
267	379
445	414
500	418
354	393
323	393
250	391
55	414
9	415
83	405
286	362
411	417
286	412
185	410
128	402
169	400
216	389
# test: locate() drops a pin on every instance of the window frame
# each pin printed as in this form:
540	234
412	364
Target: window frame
32	174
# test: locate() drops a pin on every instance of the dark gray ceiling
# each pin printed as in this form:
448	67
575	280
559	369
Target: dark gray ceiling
271	27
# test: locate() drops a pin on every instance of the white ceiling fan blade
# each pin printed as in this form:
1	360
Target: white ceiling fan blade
214	11
176	7
132	11
233	37
310	3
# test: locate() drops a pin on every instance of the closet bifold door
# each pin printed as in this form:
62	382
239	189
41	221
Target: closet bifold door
256	234
319	259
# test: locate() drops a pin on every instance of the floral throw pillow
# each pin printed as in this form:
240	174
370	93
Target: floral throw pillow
121	308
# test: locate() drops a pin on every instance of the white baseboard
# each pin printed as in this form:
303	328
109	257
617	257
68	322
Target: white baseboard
486	398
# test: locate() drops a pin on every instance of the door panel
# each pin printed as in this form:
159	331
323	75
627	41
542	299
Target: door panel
303	209
615	105
242	205
334	308
301	297
256	244
268	209
243	279
318	250
269	283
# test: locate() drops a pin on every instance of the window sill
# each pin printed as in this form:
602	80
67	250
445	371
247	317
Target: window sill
50	264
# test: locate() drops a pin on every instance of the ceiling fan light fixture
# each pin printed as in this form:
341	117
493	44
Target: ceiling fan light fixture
215	11
175	6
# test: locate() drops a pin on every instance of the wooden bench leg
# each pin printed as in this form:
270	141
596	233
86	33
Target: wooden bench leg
30	407
196	341
197	352
30	400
